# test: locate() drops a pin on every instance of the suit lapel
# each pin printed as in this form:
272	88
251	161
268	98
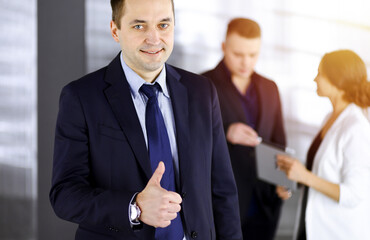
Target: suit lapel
231	93
260	95
179	100
119	98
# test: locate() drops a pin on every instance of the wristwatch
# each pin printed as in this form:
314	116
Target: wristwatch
135	213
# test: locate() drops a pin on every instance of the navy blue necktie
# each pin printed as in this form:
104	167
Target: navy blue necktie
160	150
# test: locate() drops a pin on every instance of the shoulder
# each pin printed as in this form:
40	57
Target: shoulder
266	88
88	82
219	73
182	72
354	124
99	79
211	73
90	78
354	114
189	79
264	81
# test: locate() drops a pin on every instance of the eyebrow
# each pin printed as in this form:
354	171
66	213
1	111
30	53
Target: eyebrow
136	21
166	19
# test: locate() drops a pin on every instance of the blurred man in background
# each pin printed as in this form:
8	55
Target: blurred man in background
251	109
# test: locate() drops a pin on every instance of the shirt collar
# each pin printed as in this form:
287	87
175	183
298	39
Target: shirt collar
135	81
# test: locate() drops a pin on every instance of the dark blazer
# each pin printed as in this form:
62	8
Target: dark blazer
101	160
269	127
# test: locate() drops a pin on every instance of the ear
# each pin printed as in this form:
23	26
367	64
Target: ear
223	47
113	30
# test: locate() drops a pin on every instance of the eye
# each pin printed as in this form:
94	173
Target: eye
138	27
163	25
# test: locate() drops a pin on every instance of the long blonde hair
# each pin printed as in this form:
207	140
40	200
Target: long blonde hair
346	70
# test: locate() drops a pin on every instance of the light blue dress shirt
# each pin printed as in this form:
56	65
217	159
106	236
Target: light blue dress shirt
165	105
164	102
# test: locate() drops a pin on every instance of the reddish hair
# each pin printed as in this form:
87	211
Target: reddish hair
244	27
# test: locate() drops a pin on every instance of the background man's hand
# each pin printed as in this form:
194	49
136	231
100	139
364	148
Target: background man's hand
242	134
158	206
283	193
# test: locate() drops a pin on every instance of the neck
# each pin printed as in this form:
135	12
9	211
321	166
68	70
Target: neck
149	77
241	83
339	105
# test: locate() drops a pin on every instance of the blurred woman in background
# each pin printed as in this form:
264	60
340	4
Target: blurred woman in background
336	196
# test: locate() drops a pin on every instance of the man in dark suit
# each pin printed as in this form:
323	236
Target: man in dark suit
250	108
140	151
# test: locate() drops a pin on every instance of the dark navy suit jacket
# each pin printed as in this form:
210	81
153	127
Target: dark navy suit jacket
101	160
270	127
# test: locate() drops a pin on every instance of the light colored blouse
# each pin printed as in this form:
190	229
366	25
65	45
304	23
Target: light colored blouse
342	158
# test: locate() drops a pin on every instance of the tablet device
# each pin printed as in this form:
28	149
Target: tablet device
267	169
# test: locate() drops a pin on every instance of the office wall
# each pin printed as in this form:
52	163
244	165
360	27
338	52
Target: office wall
61	59
18	116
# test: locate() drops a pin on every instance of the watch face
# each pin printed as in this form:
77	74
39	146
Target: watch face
133	212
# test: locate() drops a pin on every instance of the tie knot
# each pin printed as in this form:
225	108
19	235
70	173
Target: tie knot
150	90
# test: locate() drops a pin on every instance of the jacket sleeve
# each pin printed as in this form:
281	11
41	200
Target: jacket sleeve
355	173
73	195
224	191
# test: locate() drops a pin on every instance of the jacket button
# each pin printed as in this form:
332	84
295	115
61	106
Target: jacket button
194	234
113	229
183	195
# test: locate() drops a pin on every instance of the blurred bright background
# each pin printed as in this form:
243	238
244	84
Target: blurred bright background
295	35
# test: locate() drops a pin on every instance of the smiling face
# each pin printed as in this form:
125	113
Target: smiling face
241	54
146	35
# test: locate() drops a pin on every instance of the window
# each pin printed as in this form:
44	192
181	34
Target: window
18	119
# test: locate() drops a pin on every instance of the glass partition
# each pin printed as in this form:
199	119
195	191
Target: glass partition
18	119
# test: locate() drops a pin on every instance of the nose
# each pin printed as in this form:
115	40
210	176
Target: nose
152	37
246	61
315	79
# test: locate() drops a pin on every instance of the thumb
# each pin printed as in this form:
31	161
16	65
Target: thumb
250	131
157	175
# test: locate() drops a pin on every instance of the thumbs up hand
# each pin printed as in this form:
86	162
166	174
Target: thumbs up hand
158	206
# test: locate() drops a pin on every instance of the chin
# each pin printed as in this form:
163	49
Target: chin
245	75
153	66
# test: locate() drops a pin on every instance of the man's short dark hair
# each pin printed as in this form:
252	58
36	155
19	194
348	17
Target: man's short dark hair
244	27
117	11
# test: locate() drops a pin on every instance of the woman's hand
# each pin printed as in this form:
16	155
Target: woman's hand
293	168
295	171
